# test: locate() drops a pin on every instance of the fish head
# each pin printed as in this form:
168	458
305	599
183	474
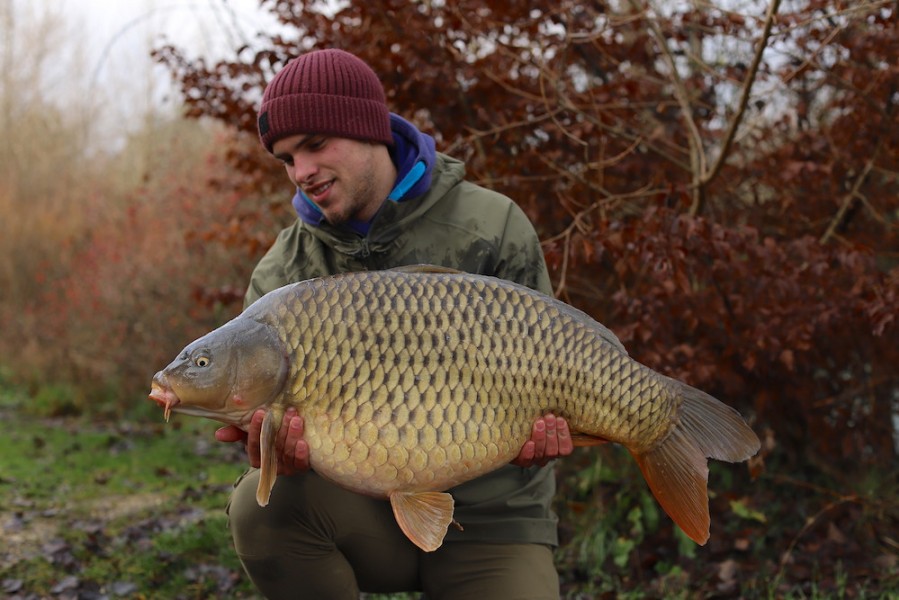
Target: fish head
225	375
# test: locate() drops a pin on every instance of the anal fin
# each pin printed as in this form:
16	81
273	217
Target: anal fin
423	516
585	439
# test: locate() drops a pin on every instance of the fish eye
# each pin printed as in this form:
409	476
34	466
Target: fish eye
202	361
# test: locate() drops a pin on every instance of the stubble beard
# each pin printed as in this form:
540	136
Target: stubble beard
361	194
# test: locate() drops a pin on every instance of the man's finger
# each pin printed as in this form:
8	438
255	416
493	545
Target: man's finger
526	456
296	451
538	436
230	433
566	445
281	438
301	456
551	449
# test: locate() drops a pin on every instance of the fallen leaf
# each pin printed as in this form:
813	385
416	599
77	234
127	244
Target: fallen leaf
123	588
835	535
66	584
727	571
14	523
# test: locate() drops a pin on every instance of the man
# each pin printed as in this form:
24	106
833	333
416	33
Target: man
372	193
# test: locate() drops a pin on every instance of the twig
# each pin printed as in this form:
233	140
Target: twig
509	126
608	162
566	250
697	154
819	16
808	59
744	102
702	173
811	522
546	105
849	198
576	224
578	217
623	133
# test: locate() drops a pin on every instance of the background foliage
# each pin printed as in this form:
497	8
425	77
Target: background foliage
718	185
716	182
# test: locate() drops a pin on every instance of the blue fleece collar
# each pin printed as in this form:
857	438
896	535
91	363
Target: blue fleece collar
413	154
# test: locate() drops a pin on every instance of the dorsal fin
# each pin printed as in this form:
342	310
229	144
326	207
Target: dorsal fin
427	269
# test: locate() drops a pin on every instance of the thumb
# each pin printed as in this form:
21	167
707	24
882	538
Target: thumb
230	433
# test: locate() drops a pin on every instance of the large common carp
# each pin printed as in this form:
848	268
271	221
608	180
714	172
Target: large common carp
416	379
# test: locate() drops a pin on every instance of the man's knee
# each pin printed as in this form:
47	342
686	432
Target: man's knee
252	526
318	536
480	570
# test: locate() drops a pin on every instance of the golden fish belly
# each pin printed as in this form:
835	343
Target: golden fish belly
420	383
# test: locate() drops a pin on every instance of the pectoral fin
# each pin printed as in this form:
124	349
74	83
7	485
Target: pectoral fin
423	516
268	468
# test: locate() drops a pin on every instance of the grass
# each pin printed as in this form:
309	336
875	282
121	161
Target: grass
134	508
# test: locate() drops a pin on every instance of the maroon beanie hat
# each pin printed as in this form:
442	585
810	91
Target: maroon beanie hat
325	92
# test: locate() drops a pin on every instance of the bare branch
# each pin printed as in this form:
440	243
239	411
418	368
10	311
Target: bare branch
744	102
697	153
849	198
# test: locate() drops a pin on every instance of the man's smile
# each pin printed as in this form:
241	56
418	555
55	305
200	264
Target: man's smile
316	190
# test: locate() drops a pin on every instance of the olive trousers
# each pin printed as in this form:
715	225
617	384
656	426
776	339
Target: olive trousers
316	540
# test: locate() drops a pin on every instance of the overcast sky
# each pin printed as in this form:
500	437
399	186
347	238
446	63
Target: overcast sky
103	49
122	33
209	28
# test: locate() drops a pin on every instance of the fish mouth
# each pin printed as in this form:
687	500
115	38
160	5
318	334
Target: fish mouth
163	395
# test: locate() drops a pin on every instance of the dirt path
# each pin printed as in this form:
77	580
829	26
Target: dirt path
26	531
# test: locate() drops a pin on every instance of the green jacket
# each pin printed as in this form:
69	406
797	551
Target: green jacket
455	224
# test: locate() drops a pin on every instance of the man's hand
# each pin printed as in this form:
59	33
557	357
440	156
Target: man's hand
292	450
550	439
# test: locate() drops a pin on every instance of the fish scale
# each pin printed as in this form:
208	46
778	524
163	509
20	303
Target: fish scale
488	325
414	380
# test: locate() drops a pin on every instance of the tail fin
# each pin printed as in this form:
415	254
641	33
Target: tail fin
677	470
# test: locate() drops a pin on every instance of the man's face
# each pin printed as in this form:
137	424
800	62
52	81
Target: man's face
339	175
